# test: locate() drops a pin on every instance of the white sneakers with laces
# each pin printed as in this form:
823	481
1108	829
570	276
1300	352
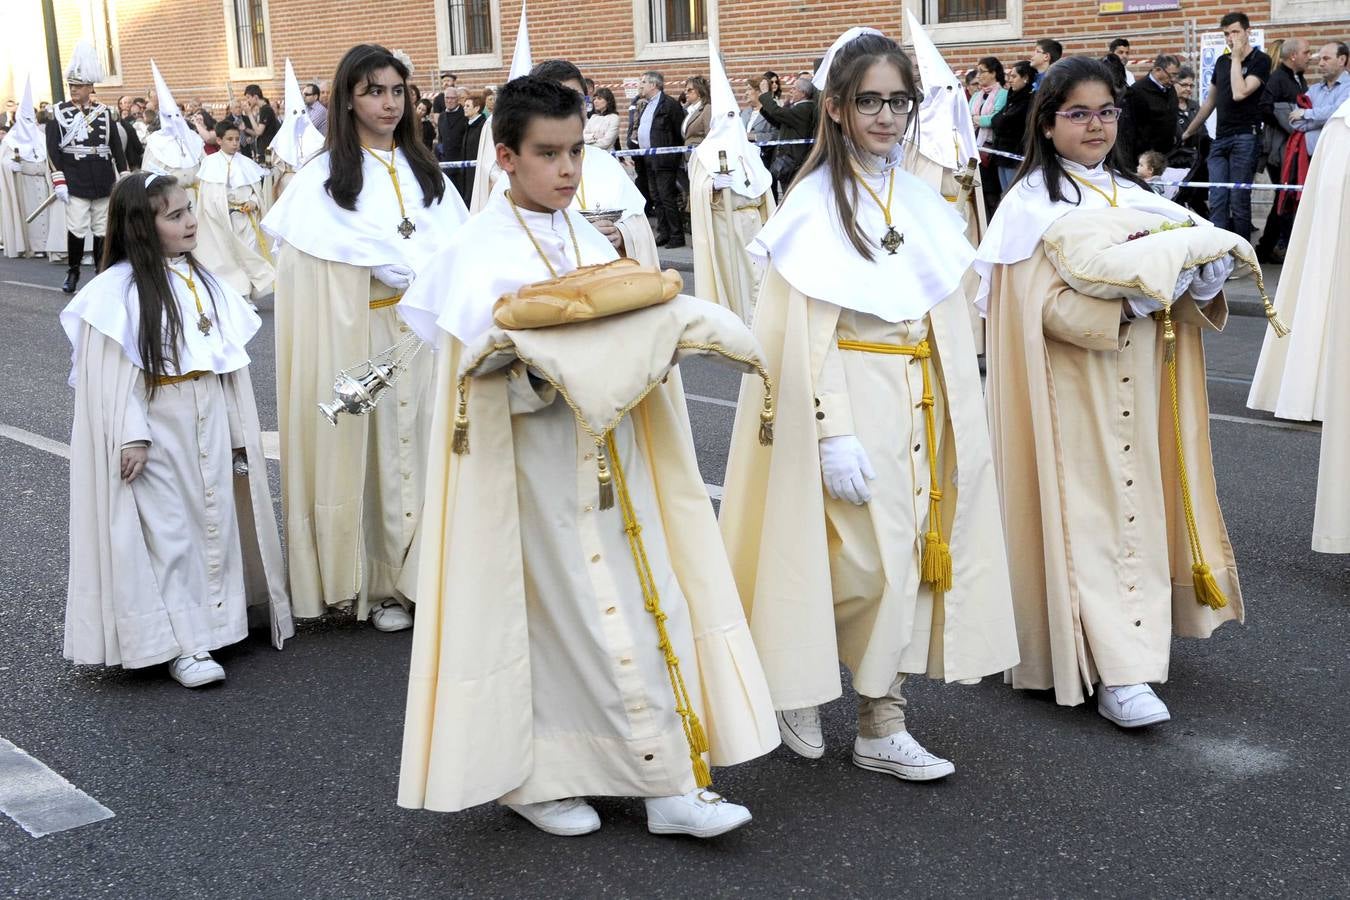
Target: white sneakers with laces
1131	705
800	730
700	813
900	755
196	670
565	818
391	616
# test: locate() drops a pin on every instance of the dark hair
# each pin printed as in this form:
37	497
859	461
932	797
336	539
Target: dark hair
1117	68
1116	44
254	90
526	98
1024	68
832	149
1163	60
1154	160
225	127
1185	72
344	145
558	70
995	65
1052	49
772	76
605	94
1239	18
313	87
425	105
132	237
1059	80
1342	50
700	85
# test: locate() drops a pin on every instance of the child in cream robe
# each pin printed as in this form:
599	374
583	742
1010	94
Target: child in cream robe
229	240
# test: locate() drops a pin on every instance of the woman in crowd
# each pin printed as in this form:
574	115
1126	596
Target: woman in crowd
426	130
698	112
1193	153
602	128
475	116
1009	125
990	97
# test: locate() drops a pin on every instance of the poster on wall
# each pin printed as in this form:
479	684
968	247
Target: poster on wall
1117	7
1212	49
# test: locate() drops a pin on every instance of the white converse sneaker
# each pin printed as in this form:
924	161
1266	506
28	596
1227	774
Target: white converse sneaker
565	818
390	616
800	729
196	670
900	755
701	813
1131	705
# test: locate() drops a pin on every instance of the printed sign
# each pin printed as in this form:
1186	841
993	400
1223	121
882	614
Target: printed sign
1117	7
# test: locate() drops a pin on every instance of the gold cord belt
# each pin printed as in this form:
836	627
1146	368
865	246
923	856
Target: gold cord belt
385	301
937	555
693	728
178	379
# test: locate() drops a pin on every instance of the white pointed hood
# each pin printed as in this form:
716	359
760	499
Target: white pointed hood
521	59
298	139
25	136
176	145
946	132
726	134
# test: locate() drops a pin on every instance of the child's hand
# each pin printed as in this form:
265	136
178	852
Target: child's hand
133	462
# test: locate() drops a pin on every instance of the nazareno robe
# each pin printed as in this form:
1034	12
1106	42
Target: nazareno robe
229	240
724	270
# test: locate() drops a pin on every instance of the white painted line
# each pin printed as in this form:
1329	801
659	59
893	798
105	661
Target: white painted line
40	801
714	490
56	448
1268	423
29	284
714	401
271	442
1229	379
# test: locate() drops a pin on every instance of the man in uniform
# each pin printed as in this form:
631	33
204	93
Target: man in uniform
85	153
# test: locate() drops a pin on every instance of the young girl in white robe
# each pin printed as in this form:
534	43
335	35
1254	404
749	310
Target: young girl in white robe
848	537
172	536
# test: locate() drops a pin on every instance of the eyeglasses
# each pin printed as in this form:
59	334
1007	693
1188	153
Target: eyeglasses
1080	116
871	104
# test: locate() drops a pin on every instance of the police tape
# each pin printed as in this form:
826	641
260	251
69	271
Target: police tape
661	151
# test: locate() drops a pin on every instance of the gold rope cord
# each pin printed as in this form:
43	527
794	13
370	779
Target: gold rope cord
651	601
937	554
1207	590
385	302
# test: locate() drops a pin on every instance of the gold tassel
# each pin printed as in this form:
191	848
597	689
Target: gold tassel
459	438
1276	324
698	738
937	562
1169	334
1207	588
605	478
702	776
766	422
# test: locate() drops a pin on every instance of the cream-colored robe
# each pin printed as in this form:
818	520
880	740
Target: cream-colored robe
535	672
20	193
1085	451
486	172
724	271
792	549
352	493
170	564
943	181
229	241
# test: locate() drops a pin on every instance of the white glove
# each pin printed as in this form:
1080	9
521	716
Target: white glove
11	164
1210	277
845	469
1184	279
722	182
396	275
62	193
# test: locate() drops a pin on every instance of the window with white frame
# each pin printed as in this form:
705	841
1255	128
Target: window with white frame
246	22
968	21
673	29
1307	11
468	33
100	20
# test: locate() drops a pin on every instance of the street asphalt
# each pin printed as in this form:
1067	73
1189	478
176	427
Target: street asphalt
281	782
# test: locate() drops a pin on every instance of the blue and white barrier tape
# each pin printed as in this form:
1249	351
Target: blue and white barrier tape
654	151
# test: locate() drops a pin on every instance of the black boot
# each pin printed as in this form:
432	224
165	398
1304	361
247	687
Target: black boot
98	253
74	251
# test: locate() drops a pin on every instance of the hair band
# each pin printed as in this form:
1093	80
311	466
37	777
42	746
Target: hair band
150	179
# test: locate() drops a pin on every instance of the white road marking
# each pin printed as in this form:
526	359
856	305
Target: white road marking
1268	423
40	801
271	442
29	284
714	401
56	448
1229	379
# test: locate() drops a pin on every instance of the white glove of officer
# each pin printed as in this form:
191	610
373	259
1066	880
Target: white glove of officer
62	193
396	275
845	469
1210	277
11	164
721	182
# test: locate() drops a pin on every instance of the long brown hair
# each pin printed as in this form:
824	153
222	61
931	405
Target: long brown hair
344	144
835	141
132	236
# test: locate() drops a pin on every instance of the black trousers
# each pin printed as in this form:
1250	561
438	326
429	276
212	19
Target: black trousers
1278	225
665	197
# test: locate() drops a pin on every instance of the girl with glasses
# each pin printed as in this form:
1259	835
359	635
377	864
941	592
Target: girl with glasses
1084	440
847	536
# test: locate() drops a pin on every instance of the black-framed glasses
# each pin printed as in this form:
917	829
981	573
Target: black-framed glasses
1079	116
871	104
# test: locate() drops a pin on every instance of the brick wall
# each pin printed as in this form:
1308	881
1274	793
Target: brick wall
188	37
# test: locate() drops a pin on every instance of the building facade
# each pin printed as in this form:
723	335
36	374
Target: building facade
211	49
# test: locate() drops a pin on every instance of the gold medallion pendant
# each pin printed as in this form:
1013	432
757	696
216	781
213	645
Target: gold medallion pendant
406	228
892	240
204	324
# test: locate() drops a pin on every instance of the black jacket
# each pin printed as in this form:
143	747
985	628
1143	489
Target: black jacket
450	126
667	131
468	149
794	123
1153	112
1009	125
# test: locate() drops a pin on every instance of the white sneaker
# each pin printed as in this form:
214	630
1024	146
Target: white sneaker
1131	705
391	616
800	729
900	755
565	818
196	670
701	813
